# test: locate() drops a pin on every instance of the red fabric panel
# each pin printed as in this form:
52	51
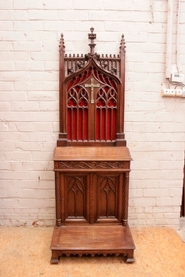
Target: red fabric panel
78	107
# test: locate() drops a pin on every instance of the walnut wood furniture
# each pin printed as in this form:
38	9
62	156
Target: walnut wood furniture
182	213
91	160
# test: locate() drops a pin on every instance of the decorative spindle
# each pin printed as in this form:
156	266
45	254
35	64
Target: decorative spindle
122	44
92	37
61	43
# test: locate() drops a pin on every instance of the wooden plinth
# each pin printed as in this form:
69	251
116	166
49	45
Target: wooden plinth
80	240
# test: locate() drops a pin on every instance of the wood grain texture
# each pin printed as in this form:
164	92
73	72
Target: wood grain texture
91	160
80	240
92	154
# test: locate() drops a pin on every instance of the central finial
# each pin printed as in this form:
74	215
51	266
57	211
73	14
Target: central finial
92	37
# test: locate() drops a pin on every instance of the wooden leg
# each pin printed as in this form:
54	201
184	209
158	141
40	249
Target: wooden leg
130	256
54	257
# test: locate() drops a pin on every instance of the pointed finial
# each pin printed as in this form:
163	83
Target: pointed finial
122	44
61	43
92	37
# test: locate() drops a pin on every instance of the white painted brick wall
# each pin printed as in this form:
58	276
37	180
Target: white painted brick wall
154	126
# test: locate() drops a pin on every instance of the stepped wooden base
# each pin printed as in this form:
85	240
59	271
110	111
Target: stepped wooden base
97	239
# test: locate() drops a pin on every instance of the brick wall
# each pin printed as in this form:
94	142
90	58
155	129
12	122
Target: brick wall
155	126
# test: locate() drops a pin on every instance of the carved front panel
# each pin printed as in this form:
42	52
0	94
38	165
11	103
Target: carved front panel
109	191
76	201
92	197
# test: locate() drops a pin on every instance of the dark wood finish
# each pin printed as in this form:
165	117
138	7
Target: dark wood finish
99	123
91	160
183	195
87	240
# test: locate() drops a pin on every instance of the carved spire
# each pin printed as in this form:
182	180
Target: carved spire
92	37
122	44
61	43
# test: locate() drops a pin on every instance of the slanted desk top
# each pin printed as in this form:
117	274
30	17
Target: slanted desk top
92	154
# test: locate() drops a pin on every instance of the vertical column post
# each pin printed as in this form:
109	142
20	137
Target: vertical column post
125	200
62	95
57	197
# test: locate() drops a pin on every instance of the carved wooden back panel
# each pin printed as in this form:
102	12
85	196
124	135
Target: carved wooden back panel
91	106
92	97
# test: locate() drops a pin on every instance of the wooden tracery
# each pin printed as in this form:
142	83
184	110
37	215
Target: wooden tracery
97	124
91	160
